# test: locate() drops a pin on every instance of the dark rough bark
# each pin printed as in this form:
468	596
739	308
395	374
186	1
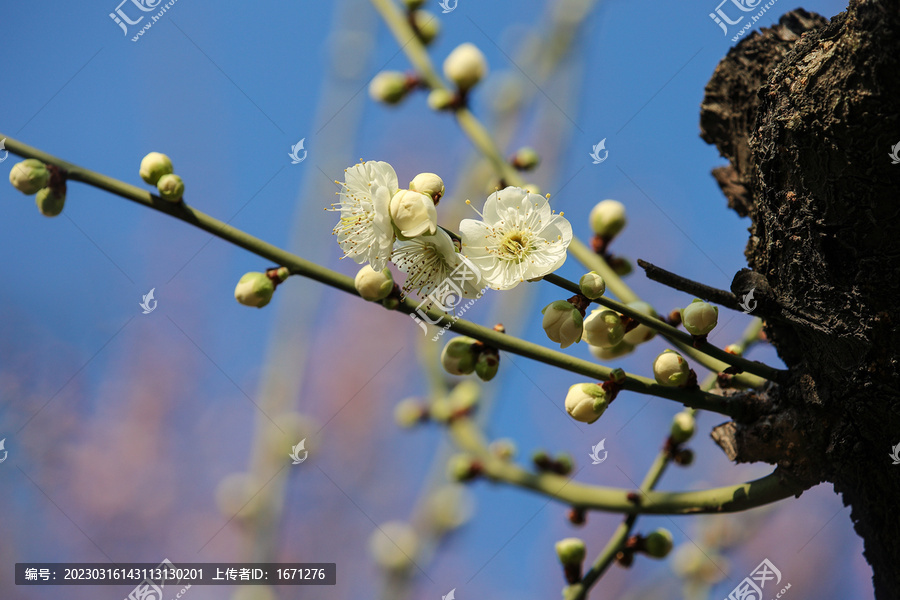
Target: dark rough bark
806	113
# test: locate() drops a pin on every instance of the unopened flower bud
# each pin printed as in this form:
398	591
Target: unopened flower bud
565	464
389	87
413	4
618	376
394	546
603	328
563	323
621	266
413	213
428	184
464	396
458	356
154	166
170	187
659	543
525	159
462	467
465	66
684	457
592	285
29	176
734	349
373	285
683	427
254	289
409	412
607	218
487	365
586	402
571	551
699	317
504	449
641	333
427	25
671	369
49	202
441	99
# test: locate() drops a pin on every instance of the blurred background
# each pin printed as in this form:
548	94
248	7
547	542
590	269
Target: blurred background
137	437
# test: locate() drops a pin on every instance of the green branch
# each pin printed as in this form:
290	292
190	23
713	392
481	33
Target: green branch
305	268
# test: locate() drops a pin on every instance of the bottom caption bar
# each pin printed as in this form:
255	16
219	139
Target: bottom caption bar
155	577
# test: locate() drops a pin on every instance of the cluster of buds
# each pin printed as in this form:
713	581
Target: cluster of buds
48	182
562	464
464	356
156	169
256	289
658	544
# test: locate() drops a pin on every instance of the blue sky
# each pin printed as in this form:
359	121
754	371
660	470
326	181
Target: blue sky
225	89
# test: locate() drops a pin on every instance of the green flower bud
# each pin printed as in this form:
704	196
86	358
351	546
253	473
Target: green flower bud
461	467
170	187
617	376
571	551
621	266
154	166
734	349
592	285
641	333
413	214
254	289
441	99
526	159
621	349
659	543
683	427
458	356
603	328
29	176
670	369
699	317
565	464
389	87
563	323
607	218
465	66
504	449
395	546
373	285
413	4
428	184
487	365
586	402
427	24
409	412
50	203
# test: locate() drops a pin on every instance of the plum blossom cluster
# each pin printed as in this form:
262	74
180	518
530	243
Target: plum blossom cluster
518	238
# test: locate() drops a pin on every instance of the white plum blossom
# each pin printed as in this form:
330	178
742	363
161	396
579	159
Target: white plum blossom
429	261
365	232
518	238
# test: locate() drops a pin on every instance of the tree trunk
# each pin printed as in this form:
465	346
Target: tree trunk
807	113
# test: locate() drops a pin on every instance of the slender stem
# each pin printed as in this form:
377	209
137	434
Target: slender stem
595	262
683	284
305	268
673	334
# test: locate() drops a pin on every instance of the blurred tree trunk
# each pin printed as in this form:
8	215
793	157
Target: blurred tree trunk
806	113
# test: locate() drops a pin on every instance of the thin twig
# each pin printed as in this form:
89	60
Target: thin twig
689	286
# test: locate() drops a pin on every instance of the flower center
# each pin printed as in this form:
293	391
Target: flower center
515	245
